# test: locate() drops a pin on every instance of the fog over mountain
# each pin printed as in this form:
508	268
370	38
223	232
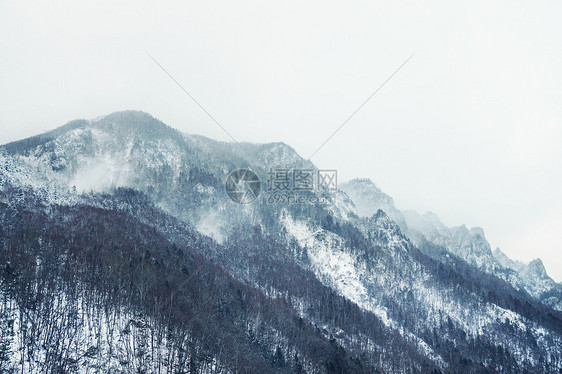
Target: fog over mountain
121	251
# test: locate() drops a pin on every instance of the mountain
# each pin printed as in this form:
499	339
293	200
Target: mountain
534	279
429	234
368	198
121	251
469	245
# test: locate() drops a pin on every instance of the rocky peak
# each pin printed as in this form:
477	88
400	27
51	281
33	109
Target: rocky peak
536	267
368	198
506	261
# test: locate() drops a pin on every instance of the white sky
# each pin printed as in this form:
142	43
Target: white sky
469	129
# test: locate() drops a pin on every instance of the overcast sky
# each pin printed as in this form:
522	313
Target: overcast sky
470	128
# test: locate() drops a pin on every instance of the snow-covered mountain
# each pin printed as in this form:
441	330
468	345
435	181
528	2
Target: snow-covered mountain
534	279
128	222
470	245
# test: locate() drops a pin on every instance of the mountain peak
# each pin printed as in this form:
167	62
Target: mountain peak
506	261
537	267
477	231
431	217
129	122
119	125
381	215
365	183
500	256
368	198
128	116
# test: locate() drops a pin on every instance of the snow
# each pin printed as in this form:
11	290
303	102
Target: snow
335	267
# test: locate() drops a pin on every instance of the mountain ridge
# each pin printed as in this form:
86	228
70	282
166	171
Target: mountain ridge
383	297
469	244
